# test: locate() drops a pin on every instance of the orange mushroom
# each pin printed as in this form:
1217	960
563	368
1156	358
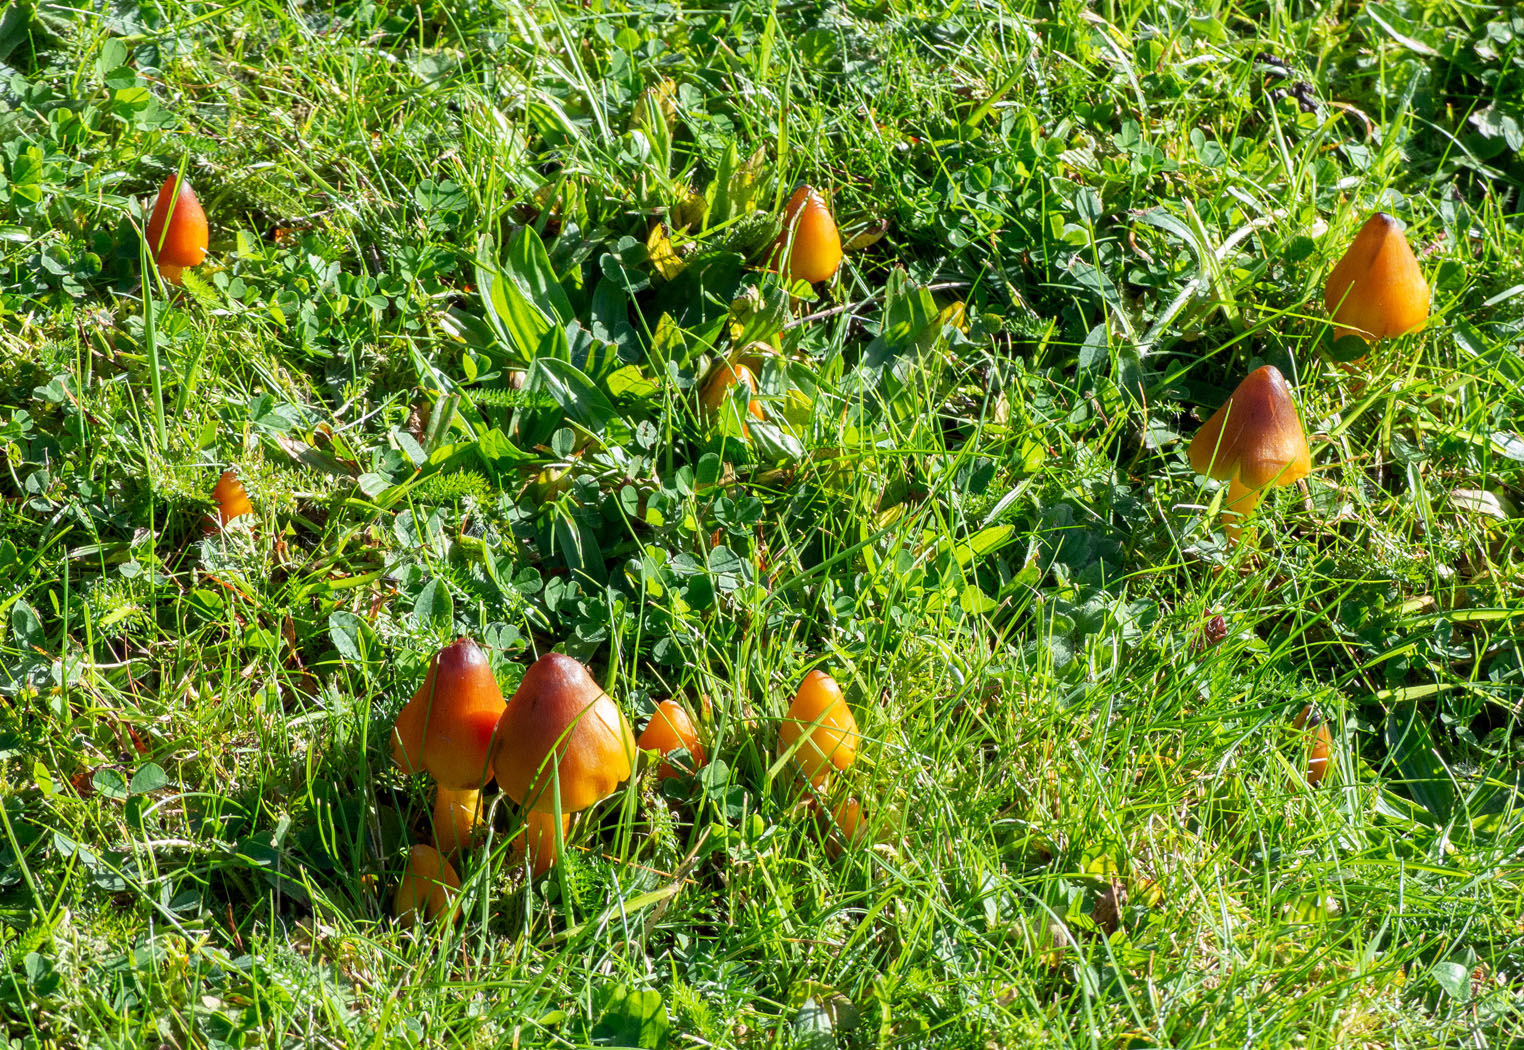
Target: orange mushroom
821	724
561	728
670	729
429	884
1255	440
456	816
851	829
1376	290
446	728
1319	743
809	244
714	395
177	230
538	839
232	502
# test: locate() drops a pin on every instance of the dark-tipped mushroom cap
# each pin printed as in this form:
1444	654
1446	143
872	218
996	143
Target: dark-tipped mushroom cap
1255	437
447	727
1376	290
559	710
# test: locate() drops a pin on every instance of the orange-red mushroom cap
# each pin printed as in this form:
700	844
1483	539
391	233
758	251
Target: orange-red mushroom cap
446	728
1376	290
177	229
1256	437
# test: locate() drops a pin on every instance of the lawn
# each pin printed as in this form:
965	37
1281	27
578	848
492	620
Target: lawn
473	268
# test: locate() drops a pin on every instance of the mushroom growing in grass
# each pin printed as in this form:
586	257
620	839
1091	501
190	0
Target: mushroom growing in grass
446	728
1254	441
429	884
560	729
669	730
715	394
810	244
821	724
232	502
1318	743
177	231
1376	291
457	812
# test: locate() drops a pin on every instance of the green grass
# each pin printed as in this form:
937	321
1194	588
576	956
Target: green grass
988	531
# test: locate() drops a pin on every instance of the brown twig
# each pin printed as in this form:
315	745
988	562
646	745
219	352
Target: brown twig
854	307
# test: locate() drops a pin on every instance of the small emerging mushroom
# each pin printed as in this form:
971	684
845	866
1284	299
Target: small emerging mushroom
447	727
810	244
714	395
561	728
232	502
1376	290
670	729
1319	743
1254	441
538	839
177	230
429	884
822	725
456	816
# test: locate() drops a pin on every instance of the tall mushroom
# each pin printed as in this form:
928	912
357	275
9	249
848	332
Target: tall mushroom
177	230
561	728
447	727
669	730
810	244
821	724
538	840
1255	440
1376	290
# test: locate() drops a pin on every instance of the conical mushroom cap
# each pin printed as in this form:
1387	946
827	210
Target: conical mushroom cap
559	709
184	242
671	729
715	392
821	716
446	728
809	237
1255	436
1376	290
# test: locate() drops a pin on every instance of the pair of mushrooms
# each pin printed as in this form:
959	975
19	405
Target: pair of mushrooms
1255	441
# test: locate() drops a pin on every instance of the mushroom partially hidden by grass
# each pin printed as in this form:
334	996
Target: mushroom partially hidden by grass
177	230
1318	743
670	729
429	885
232	502
810	244
538	839
456	816
1254	441
446	728
1376	291
560	728
821	724
715	394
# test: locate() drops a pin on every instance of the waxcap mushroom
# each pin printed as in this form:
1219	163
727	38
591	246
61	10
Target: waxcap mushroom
538	839
446	728
457	813
823	726
559	710
1376	290
429	884
810	244
232	501
1256	436
670	729
177	229
714	395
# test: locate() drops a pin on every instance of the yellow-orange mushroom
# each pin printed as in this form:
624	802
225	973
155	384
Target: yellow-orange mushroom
232	501
447	727
1376	290
821	724
1255	440
1318	742
429	884
810	244
561	728
714	395
538	839
669	730
456	816
177	230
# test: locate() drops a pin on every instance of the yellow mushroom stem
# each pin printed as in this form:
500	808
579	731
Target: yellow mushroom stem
1236	509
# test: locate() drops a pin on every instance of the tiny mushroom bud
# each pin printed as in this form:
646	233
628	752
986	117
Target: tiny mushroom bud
1255	440
1318	742
1376	290
446	728
821	724
715	394
670	729
561	728
538	839
177	231
232	502
456	816
809	243
429	883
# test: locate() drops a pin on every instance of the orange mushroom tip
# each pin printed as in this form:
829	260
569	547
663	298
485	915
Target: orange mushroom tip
561	736
670	729
232	501
822	726
1376	291
177	229
1255	438
447	728
810	244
